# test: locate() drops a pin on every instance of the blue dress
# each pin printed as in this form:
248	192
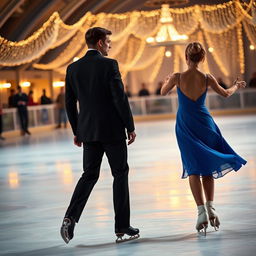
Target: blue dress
203	150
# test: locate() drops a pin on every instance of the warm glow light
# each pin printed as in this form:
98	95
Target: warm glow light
252	47
58	84
210	49
75	59
13	179
150	39
5	85
167	33
67	175
160	38
25	84
168	54
65	171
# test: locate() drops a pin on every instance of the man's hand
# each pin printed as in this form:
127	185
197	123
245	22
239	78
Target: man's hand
76	142
131	137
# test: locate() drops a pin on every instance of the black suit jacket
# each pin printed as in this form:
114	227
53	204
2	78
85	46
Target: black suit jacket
20	97
104	112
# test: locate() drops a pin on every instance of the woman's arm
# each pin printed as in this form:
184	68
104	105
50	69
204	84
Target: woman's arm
169	83
225	92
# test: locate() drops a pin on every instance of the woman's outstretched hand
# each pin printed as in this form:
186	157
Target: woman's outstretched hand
240	84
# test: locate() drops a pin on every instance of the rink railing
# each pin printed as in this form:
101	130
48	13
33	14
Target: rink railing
43	115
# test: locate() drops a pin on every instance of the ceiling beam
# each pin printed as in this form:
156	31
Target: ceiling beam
8	10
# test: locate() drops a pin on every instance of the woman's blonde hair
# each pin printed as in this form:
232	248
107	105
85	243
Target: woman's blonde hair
195	52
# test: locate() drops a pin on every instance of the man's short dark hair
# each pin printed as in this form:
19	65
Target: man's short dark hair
93	35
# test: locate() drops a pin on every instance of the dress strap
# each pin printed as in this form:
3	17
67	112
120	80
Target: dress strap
206	80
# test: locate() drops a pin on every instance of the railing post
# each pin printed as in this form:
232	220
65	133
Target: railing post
143	106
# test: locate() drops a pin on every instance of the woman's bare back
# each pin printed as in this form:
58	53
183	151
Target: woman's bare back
192	83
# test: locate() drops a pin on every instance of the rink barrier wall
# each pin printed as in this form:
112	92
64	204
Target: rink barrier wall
42	117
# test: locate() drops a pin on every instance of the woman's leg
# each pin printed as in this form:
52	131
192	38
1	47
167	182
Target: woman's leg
208	185
197	191
196	188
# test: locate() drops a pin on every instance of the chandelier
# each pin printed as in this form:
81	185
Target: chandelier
167	34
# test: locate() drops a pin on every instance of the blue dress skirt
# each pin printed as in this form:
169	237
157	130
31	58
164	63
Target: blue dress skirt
203	150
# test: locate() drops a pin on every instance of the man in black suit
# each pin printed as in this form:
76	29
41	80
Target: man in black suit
20	102
104	115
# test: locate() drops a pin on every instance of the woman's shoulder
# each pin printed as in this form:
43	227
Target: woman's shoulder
176	74
176	78
210	77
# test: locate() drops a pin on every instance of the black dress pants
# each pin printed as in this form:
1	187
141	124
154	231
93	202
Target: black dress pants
116	153
23	115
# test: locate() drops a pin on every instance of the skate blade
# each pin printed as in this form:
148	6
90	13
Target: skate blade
120	239
202	231
215	223
64	236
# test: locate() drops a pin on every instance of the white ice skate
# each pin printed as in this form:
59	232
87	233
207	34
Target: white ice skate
213	217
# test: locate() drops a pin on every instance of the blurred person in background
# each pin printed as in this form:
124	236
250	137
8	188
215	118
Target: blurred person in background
62	117
21	101
252	83
11	99
159	86
31	99
44	100
143	91
1	122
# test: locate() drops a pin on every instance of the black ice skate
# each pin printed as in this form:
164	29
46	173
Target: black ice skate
67	229
130	231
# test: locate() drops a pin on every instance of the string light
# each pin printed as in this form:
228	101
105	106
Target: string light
219	24
25	84
58	84
75	59
157	66
167	33
252	47
210	49
5	85
168	54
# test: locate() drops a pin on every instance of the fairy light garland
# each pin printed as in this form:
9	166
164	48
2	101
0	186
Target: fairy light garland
215	55
25	51
176	59
250	31
240	47
216	22
157	66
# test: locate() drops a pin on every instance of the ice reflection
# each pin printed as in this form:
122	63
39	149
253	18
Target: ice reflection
65	171
13	178
166	192
102	200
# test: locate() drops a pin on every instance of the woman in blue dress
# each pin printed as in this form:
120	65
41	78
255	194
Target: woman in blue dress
204	152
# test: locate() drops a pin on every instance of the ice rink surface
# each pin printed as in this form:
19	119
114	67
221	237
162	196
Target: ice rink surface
38	175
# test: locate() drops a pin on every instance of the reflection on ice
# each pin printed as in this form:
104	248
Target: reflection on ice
36	186
13	178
